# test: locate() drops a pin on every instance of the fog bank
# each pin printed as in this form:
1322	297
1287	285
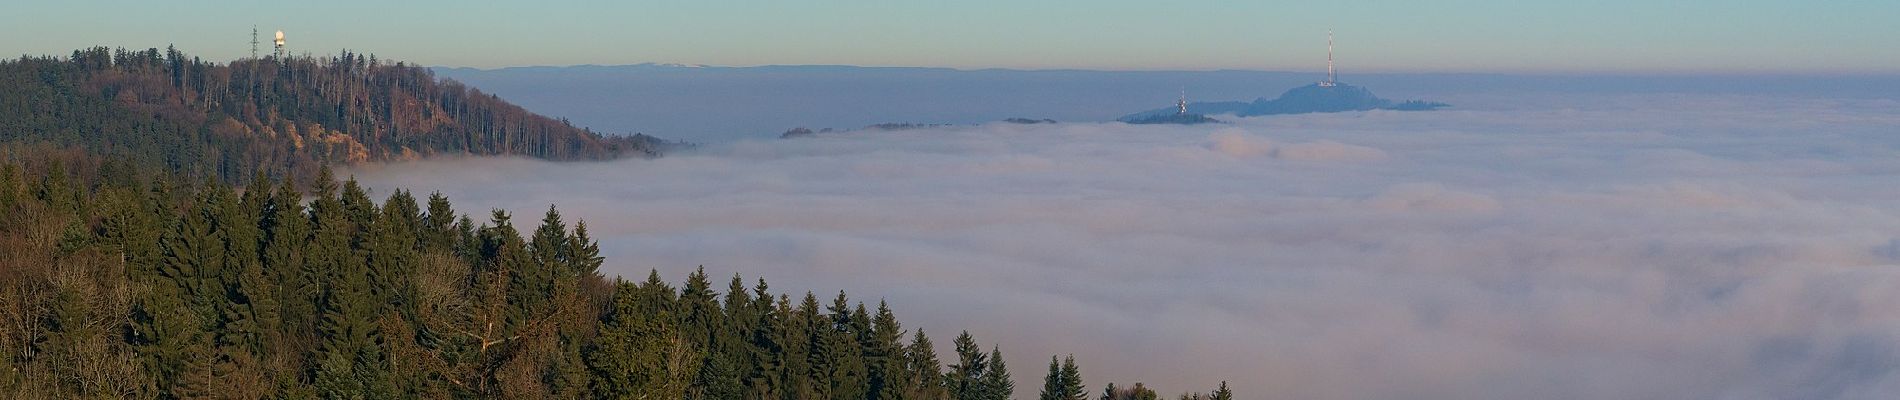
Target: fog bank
1574	247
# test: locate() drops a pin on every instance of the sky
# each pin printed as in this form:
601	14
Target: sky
1554	246
1611	36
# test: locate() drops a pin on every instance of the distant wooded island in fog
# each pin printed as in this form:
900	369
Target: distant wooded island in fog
716	103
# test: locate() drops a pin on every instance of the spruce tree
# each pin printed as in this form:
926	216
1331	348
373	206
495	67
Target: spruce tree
439	223
642	354
392	254
168	332
286	235
1072	388
703	322
532	280
502	252
997	384
884	354
966	378
57	191
809	377
1053	384
1222	393
349	357
844	353
583	253
923	370
767	345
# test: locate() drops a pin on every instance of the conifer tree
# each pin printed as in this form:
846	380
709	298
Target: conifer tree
966	378
738	305
767	345
359	212
923	370
468	244
997	384
194	257
349	359
248	311
884	354
808	375
257	295
392	254
1222	393
844	354
439	223
533	275
642	354
1053	384
1137	392
503	253
57	191
284	226
704	325
1072	387
583	253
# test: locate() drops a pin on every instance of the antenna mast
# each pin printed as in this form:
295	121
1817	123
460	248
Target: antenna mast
1182	105
1330	77
253	42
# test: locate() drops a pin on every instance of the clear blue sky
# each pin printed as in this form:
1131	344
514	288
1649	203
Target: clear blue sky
1614	36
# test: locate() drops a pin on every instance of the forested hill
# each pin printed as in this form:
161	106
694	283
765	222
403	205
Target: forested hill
166	109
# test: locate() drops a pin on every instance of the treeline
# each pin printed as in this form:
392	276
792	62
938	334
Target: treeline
153	244
155	289
124	284
1064	382
166	109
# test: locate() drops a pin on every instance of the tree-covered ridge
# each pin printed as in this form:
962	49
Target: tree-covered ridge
169	110
135	285
143	287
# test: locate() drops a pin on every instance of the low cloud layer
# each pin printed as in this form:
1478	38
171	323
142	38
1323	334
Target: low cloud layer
1648	246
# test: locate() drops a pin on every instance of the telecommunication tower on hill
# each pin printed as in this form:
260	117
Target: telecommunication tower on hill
280	44
1331	79
253	41
1181	106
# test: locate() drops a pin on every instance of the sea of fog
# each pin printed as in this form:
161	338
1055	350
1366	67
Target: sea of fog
1557	246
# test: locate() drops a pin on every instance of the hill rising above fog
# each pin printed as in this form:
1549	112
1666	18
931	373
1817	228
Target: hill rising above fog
167	109
719	103
1300	100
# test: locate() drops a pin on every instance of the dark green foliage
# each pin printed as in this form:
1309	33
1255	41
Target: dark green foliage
172	112
145	288
978	376
641	351
997	383
1064	381
155	242
884	355
840	352
923	373
1137	392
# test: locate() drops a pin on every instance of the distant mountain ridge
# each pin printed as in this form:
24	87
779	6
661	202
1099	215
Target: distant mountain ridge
725	103
1312	98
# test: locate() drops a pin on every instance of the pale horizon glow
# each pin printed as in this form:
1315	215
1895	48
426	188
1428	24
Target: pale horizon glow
1621	36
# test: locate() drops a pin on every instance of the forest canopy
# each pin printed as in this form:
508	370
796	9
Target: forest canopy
156	242
167	110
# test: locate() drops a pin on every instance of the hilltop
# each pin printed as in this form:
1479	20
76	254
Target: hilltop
184	115
1300	100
